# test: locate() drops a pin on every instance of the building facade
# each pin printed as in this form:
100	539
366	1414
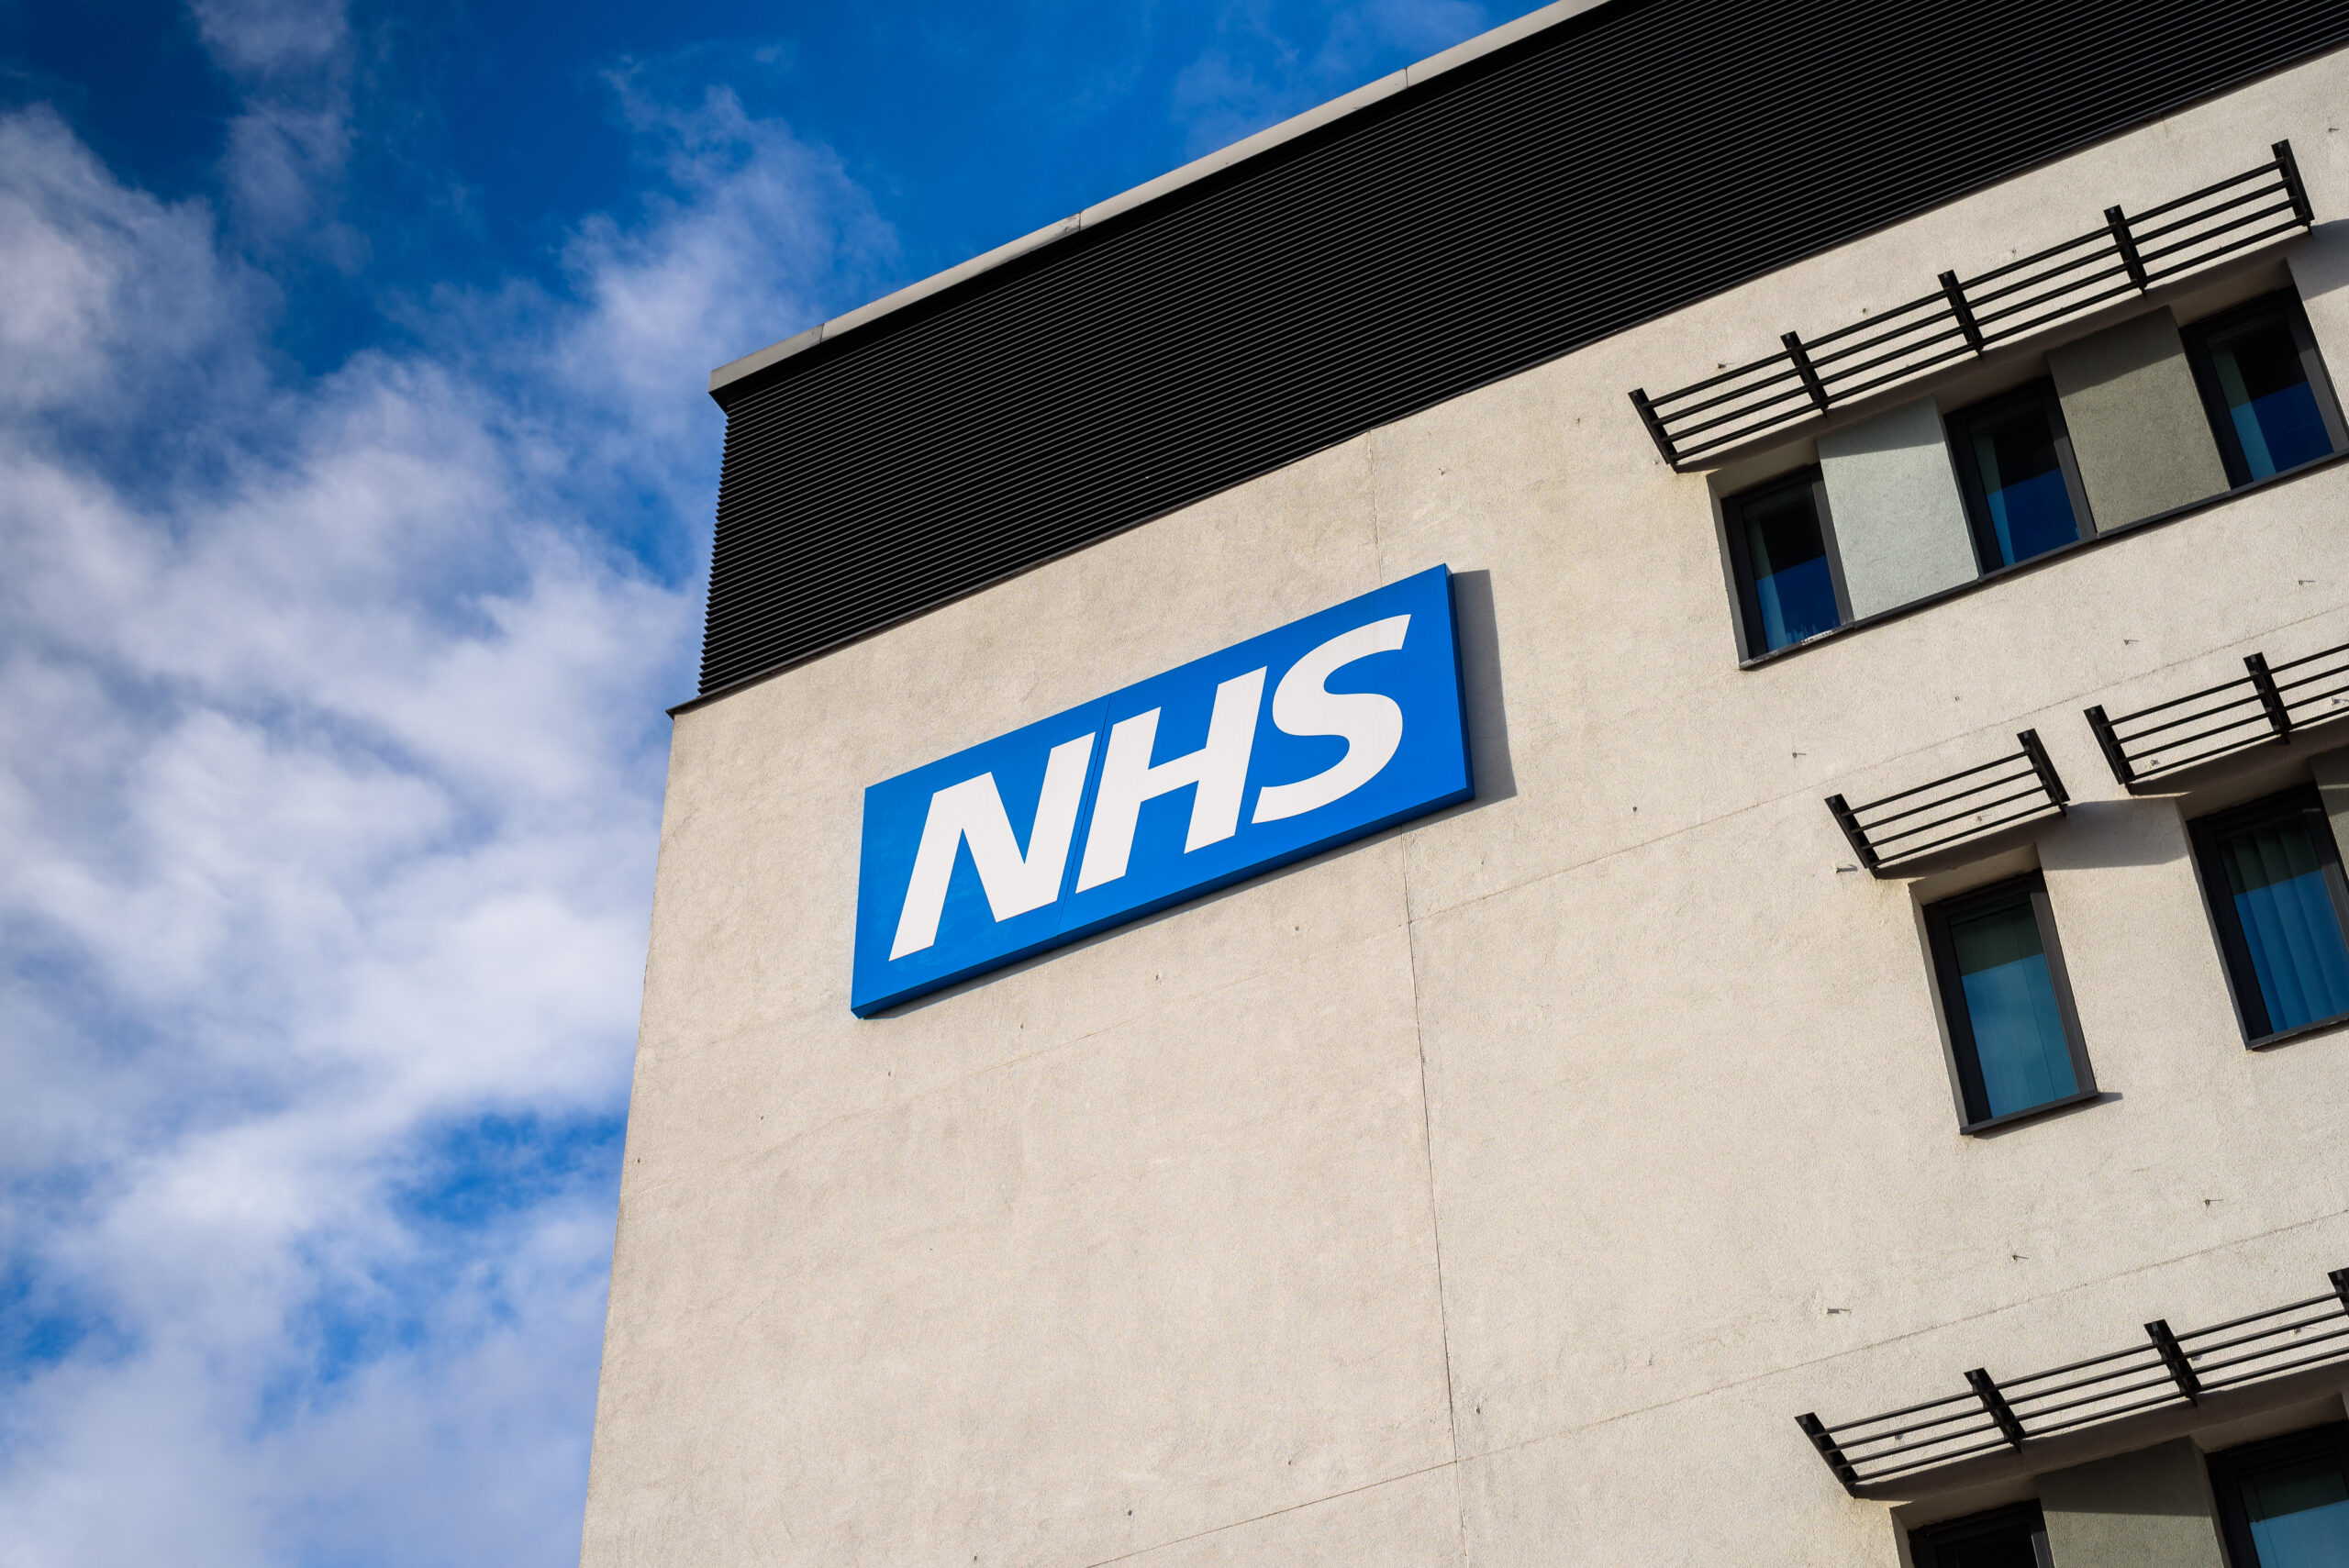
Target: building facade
1863	1076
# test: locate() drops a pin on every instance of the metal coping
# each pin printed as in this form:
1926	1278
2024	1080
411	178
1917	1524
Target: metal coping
1166	184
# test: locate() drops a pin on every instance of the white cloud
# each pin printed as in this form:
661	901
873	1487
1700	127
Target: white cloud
263	36
329	760
289	144
98	275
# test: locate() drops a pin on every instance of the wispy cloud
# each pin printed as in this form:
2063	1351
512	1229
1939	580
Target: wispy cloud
330	759
273	38
290	142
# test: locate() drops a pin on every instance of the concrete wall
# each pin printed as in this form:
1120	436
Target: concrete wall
2138	431
2148	1509
1898	520
1499	1190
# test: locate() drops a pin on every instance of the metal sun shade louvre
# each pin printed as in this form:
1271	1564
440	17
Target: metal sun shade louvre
1901	828
2168	1369
2266	704
2127	255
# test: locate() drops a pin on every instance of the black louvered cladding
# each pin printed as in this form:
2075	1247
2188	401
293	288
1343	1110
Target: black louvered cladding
1620	166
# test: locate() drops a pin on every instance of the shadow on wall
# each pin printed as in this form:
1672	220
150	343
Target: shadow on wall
1480	675
2320	263
2102	1097
2104	834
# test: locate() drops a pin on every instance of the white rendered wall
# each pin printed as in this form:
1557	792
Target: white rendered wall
1496	1191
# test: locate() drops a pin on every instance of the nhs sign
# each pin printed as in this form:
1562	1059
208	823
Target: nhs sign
1277	747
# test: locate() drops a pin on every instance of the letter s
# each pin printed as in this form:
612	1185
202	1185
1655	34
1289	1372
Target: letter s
1371	724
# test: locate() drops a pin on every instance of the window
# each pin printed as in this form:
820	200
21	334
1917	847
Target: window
2014	1039
2285	1503
1789	582
2270	401
2015	463
2004	1538
2273	875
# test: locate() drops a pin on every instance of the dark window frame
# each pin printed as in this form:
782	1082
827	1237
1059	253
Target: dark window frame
2229	1466
1963	1056
1751	630
1926	1542
1959	428
2235	950
2196	337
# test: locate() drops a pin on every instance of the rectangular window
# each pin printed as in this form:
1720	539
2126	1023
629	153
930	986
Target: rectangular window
2003	1538
2015	463
2265	387
2285	1503
1789	582
2273	875
2014	1038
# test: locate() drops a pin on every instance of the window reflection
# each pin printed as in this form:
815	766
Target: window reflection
2010	1002
2270	406
2277	882
1791	580
2020	473
2298	1513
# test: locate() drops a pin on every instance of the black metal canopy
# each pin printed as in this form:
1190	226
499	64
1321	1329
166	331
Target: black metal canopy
2124	255
2265	704
1947	814
2167	1368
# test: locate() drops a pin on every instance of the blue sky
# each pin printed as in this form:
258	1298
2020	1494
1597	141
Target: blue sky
479	136
355	480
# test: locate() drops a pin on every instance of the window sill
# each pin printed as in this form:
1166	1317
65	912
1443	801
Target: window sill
2061	552
2322	1026
2045	1108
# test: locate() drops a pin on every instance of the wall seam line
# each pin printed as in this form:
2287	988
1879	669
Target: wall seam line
1427	1115
2300	730
1274	1514
1435	1219
2330	1215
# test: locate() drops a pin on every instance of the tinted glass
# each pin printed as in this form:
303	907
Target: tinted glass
2011	1003
2277	882
2004	1549
2270	401
2022	480
1789	555
2299	1514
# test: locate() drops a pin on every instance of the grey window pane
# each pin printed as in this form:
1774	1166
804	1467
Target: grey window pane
2017	1029
2269	402
2299	1514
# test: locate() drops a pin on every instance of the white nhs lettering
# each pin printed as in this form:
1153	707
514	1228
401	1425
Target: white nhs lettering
1016	882
1219	769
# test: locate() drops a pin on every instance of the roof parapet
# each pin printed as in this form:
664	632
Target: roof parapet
1165	184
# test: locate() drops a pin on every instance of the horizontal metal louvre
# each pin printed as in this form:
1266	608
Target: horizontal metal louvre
2123	256
2167	1368
2265	704
1631	161
1946	815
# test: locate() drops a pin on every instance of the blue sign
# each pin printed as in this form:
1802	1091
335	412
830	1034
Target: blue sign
1276	749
